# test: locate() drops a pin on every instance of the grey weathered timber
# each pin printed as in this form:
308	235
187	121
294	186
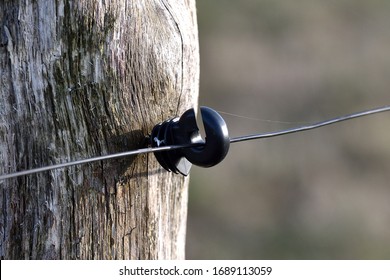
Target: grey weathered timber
86	78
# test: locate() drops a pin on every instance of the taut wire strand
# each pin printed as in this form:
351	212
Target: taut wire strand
175	147
89	160
310	126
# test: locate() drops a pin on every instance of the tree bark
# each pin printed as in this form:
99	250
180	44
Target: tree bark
85	78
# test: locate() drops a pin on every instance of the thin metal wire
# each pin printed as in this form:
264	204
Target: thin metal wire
175	147
89	160
310	126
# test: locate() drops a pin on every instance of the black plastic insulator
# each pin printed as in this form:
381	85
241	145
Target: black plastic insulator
184	130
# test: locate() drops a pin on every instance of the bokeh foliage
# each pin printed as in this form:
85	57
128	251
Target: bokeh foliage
323	194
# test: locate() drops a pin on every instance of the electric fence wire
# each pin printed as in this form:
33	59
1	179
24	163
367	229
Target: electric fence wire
175	147
310	126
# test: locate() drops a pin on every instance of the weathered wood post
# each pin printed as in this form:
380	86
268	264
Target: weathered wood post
87	78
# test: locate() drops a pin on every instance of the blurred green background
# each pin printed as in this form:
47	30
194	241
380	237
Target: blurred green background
323	194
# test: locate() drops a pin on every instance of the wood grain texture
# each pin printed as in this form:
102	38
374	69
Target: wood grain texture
87	78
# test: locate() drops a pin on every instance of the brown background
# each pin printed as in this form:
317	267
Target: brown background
323	194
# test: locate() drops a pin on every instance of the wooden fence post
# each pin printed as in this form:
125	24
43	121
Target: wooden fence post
86	78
